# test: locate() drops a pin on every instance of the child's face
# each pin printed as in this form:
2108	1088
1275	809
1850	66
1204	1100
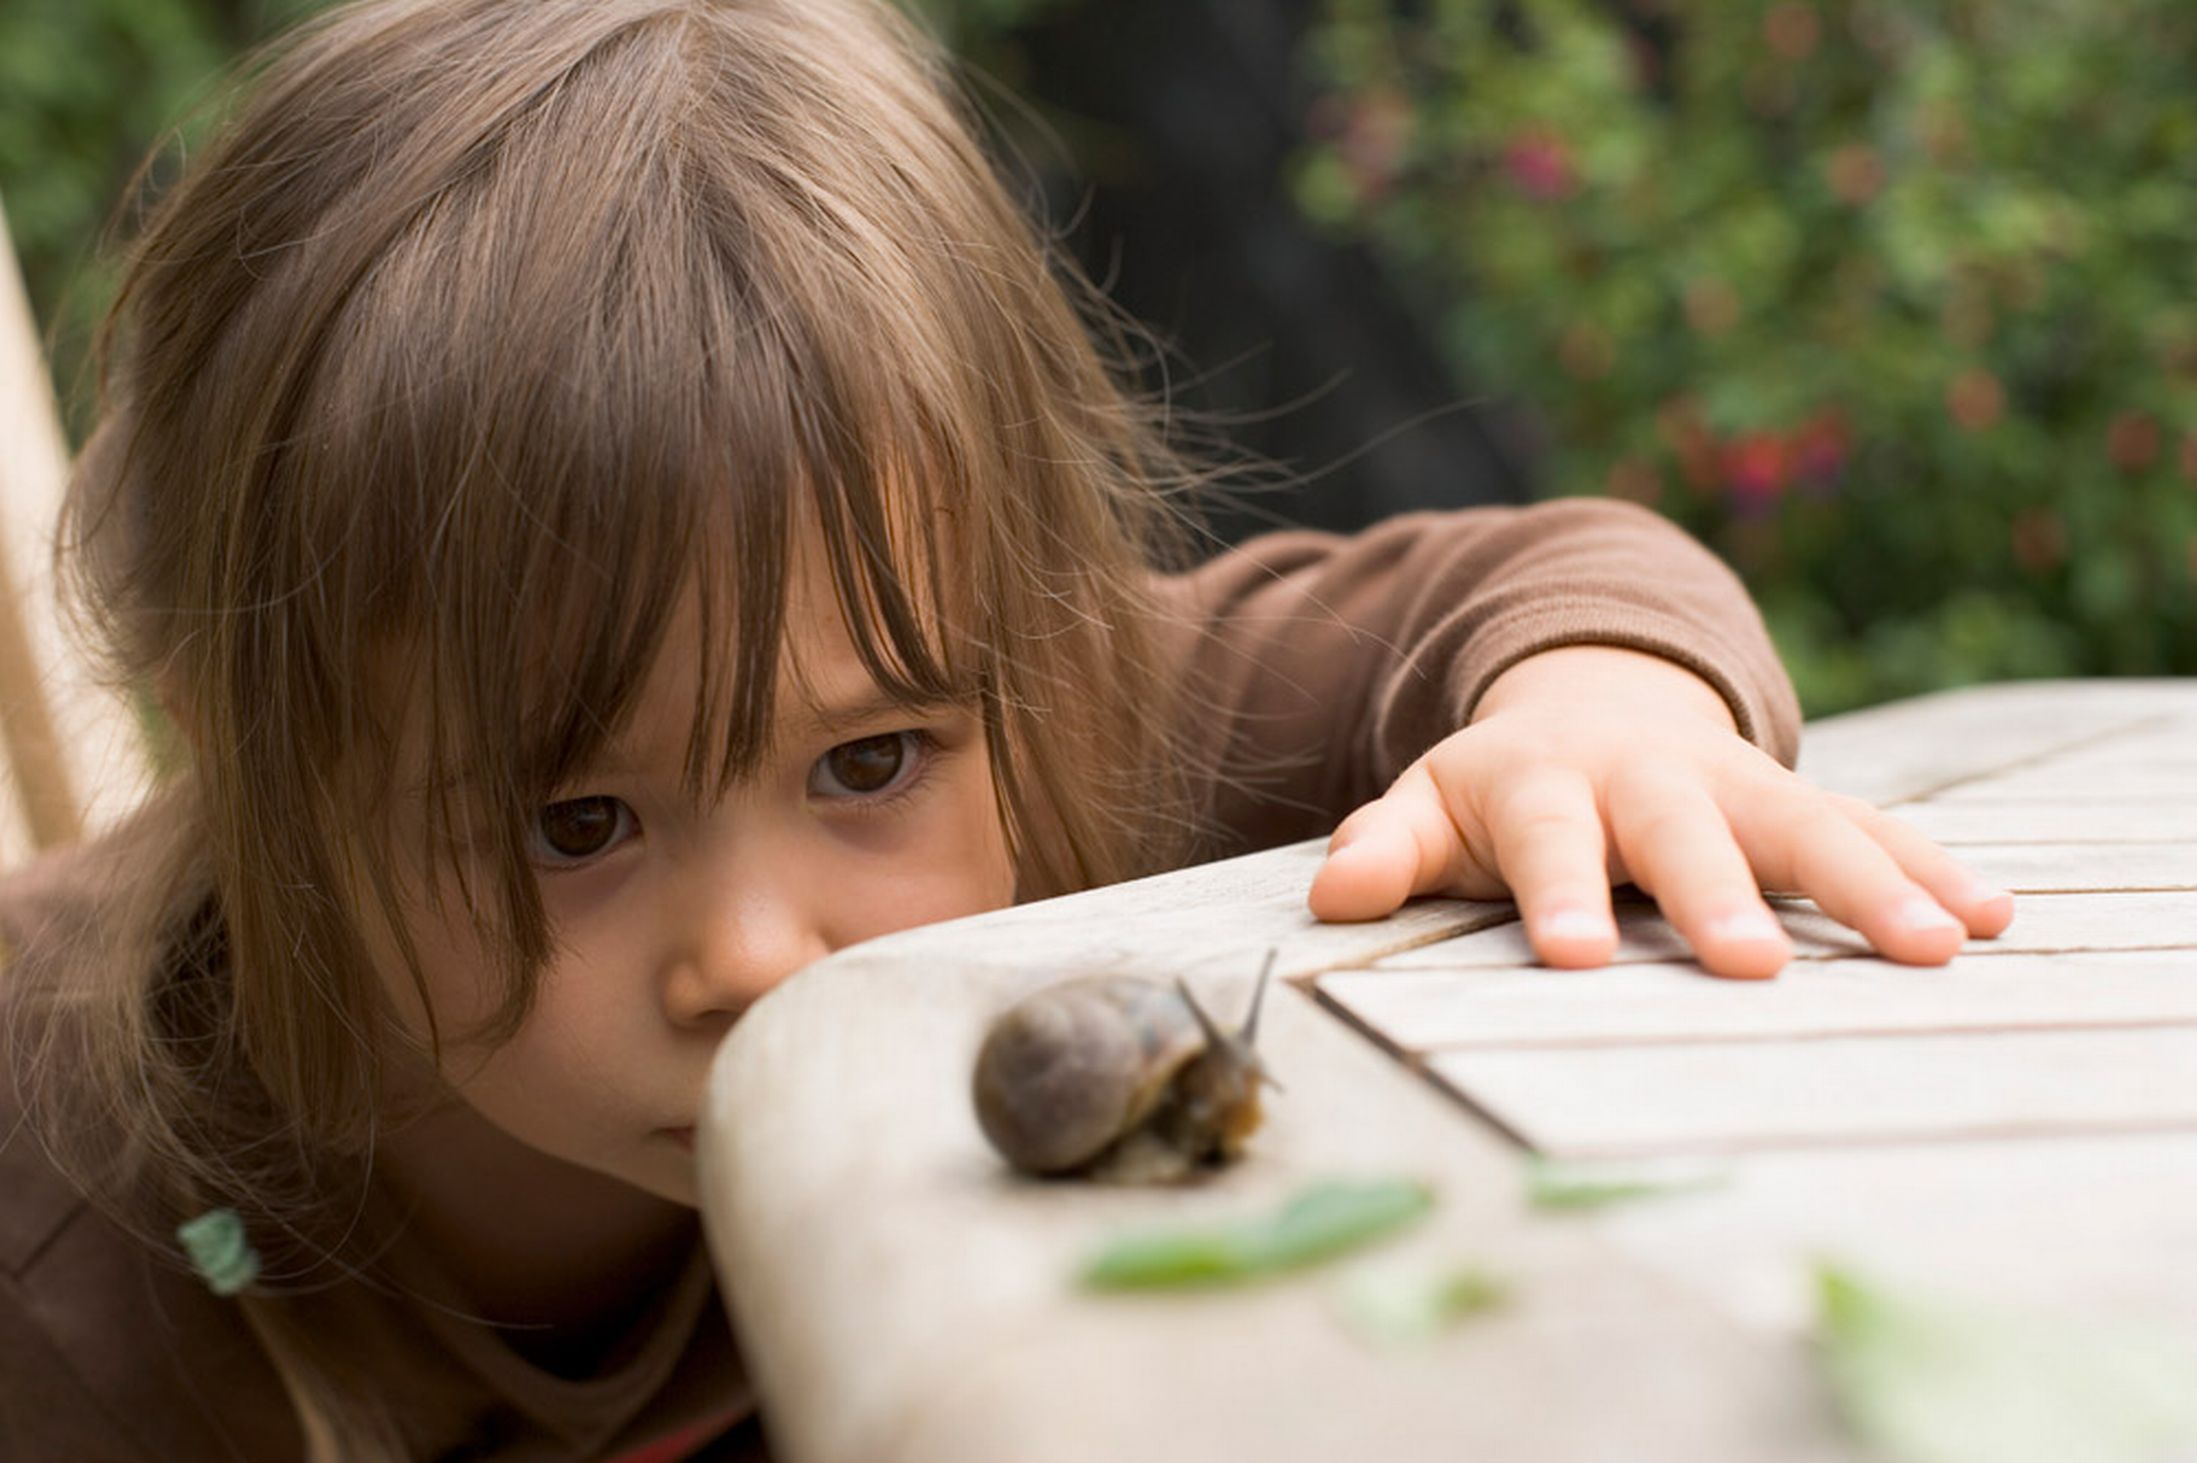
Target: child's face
670	916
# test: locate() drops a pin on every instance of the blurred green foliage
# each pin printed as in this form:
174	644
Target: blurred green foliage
93	90
1894	301
88	89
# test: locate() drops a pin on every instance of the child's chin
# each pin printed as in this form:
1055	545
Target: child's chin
668	1176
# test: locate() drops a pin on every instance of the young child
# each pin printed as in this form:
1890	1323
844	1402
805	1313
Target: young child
619	506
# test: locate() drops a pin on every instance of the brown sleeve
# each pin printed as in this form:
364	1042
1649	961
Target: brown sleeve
1318	667
45	1409
99	1343
106	1353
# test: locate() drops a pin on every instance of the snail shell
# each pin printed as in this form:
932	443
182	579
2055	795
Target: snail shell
1120	1078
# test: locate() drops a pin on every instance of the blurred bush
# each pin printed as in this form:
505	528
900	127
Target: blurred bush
1893	301
87	88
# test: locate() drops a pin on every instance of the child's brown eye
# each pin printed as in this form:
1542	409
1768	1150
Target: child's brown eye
579	828
858	769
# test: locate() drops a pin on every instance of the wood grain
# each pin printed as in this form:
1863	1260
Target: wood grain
1421	1010
1910	749
2063	825
902	1299
2103	1226
2043	921
2087	782
1642	936
1715	1097
2037	868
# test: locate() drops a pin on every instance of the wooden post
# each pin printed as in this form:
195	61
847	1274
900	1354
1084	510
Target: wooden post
74	757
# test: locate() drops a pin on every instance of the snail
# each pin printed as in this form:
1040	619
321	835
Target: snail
1119	1079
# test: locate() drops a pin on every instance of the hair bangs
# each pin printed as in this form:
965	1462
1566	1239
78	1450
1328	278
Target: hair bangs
495	341
526	461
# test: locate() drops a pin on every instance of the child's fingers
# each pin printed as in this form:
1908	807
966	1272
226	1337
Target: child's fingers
1984	910
1366	878
1398	845
1678	846
1799	839
1547	834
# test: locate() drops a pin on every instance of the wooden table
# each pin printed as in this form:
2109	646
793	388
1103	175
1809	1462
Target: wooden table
2020	1125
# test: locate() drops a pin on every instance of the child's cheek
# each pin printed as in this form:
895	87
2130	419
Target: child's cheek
454	971
959	867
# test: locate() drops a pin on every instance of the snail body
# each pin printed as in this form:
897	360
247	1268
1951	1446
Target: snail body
1117	1078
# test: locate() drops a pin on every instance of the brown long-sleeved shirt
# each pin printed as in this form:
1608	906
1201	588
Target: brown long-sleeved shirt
1317	668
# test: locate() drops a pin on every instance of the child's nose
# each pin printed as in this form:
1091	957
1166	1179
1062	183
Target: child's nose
742	938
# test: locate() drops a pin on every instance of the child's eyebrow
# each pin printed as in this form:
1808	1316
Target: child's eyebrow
877	704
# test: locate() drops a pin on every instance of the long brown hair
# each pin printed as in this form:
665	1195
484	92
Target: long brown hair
487	330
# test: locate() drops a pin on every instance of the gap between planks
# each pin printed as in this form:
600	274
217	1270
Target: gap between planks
1675	1150
2156	721
1413	1061
1416	1057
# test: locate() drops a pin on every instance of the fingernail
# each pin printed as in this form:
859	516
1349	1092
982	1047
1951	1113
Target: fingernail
1749	925
1925	914
1978	892
1573	924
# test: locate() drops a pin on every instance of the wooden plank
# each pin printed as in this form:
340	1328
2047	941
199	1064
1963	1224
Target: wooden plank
2057	781
1722	1097
1957	823
2146	920
2038	868
1216	919
902	1299
1991	1220
1912	748
1421	1010
1642	935
2139	920
2170	742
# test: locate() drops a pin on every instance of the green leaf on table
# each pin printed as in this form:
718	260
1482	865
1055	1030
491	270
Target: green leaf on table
1922	1379
1556	1186
1411	1305
1318	1222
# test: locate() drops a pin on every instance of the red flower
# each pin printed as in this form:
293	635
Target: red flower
1540	167
1756	468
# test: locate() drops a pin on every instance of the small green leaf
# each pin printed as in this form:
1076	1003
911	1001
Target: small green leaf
1552	1186
1163	1259
1318	1222
1925	1380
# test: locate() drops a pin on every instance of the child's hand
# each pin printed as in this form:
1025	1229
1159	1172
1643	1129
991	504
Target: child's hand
1589	766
